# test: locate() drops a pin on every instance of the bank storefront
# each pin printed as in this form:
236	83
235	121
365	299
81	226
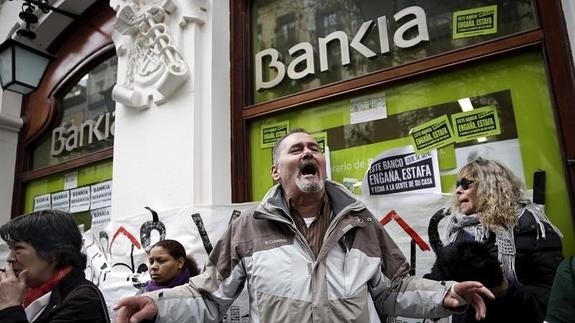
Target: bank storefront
418	86
66	157
399	94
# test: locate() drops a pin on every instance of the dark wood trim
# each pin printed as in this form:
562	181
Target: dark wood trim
561	75
90	61
239	45
68	165
430	64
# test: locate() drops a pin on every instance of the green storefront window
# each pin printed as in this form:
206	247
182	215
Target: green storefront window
54	184
358	129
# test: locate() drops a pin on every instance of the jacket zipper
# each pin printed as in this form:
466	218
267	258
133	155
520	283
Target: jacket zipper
298	234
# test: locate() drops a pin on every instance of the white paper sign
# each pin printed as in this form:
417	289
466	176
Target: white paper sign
80	199
368	108
70	180
61	201
400	170
101	195
42	202
101	217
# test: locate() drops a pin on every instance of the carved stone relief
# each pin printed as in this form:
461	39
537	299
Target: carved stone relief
155	66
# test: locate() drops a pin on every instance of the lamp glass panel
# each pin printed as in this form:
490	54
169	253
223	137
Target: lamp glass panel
6	66
30	66
19	88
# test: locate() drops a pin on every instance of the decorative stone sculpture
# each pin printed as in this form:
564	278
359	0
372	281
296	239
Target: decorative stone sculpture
155	68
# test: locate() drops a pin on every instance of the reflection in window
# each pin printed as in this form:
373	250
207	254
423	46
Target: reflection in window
515	87
86	118
282	24
286	30
327	22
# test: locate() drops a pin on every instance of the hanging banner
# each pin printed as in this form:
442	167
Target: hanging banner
118	262
117	258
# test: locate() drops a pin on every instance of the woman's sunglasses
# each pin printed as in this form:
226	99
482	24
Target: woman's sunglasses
464	182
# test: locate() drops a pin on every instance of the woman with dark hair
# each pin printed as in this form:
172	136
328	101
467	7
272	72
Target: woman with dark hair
169	265
44	276
490	207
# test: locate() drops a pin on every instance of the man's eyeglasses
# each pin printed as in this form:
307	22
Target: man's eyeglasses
464	182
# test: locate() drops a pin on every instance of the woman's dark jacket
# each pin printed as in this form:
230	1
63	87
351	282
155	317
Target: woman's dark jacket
536	261
561	306
74	299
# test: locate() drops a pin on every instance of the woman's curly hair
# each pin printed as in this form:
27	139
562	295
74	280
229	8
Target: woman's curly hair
498	192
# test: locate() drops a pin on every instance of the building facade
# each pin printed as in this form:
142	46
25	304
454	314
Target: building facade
171	103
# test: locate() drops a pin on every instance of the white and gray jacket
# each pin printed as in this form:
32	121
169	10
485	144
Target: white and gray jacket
286	283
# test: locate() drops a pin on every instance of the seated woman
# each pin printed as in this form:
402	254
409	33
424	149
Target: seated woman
169	266
44	276
490	208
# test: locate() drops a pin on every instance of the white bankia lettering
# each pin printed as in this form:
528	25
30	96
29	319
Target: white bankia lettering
303	63
72	137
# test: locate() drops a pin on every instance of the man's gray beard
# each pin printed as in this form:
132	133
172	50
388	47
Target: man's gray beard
310	186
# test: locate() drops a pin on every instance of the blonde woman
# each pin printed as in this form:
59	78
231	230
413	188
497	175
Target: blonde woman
490	207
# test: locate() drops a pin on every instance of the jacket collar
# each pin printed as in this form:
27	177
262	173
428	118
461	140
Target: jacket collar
66	285
275	204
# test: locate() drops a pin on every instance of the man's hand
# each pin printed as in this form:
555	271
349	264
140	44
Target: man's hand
469	292
12	288
134	309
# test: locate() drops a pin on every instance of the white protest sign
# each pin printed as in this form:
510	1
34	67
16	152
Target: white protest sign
101	195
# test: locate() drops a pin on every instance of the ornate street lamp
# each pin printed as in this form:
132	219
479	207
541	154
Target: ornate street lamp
22	65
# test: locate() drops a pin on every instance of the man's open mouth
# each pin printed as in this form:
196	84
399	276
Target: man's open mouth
308	167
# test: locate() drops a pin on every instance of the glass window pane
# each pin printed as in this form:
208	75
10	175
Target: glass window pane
300	45
86	118
516	87
86	176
